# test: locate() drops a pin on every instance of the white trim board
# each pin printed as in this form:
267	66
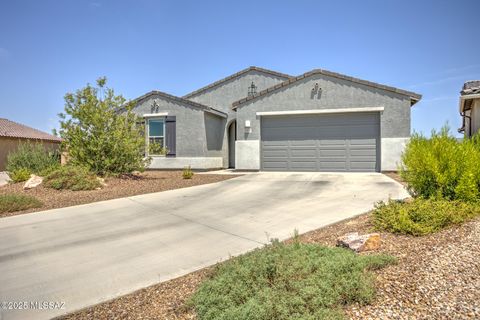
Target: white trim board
152	115
319	111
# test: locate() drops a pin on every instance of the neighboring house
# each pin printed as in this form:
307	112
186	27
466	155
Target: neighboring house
470	108
259	119
12	134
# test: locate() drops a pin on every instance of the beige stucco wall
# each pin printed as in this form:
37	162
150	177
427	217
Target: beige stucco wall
8	145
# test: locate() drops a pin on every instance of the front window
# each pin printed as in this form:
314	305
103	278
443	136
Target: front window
156	137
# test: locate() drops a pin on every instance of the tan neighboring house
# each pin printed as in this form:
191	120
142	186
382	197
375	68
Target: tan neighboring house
12	134
470	108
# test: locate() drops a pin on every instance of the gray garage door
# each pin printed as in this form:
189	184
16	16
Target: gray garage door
333	142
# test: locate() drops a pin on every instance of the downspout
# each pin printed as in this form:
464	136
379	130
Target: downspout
469	123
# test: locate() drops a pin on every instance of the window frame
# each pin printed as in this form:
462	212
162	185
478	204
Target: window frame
147	135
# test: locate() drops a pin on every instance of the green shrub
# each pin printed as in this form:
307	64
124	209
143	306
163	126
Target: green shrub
34	157
288	281
156	148
100	131
20	175
187	173
442	167
72	178
422	216
17	202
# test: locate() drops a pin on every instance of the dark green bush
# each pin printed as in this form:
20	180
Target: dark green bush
20	175
34	157
17	202
442	167
72	178
422	216
288	281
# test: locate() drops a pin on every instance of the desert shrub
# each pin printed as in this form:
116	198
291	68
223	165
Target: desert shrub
34	157
156	148
100	131
187	173
442	167
288	281
72	178
20	175
17	202
422	216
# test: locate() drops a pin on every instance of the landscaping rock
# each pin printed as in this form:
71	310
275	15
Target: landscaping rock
33	182
4	178
359	243
102	182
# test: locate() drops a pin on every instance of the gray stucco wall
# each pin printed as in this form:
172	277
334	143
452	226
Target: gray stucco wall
221	97
336	93
198	133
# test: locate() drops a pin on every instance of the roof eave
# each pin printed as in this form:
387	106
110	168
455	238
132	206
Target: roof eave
233	76
180	100
414	97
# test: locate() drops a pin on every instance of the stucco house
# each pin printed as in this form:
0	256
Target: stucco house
470	108
12	134
258	119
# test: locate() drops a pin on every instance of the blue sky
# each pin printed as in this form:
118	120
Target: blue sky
48	48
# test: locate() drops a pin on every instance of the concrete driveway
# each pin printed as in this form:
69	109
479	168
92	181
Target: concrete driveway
86	254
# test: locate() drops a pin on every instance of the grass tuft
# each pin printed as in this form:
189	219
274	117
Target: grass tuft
17	202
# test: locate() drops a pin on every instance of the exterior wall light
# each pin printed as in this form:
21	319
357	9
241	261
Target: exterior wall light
248	127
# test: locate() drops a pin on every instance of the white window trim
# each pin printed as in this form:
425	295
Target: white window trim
147	135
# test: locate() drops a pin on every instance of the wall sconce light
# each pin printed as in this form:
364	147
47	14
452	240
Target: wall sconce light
248	127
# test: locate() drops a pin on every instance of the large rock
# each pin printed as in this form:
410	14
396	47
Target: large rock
32	182
359	243
4	178
102	181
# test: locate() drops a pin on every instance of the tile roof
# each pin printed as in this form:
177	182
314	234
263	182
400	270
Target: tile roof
236	75
471	87
16	130
177	99
415	97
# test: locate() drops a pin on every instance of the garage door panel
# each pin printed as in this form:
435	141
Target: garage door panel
279	143
332	153
363	142
269	153
303	165
363	152
292	133
335	142
362	165
275	165
310	143
332	143
361	132
299	153
332	166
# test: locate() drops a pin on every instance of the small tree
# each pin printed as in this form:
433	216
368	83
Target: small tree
100	131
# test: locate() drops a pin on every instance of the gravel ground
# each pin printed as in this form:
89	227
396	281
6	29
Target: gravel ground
437	277
147	182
